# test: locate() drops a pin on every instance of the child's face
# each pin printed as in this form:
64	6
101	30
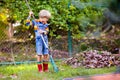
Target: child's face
44	20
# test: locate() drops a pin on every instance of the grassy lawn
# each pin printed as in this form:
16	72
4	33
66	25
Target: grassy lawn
29	72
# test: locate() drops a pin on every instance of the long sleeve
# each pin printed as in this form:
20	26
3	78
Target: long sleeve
28	22
46	27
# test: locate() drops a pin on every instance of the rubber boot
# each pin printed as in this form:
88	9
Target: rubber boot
39	67
45	67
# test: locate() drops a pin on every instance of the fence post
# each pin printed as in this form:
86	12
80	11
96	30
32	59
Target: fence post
69	36
69	41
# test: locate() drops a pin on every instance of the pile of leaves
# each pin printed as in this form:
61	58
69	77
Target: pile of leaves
93	59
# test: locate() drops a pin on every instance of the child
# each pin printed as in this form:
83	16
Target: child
41	28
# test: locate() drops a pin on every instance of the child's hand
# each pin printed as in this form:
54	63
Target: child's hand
41	31
31	13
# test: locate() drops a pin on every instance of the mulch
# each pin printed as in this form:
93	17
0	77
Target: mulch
97	77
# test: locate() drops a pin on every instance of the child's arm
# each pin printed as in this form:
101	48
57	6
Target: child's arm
45	31
28	22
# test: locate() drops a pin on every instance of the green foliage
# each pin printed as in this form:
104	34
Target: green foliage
81	14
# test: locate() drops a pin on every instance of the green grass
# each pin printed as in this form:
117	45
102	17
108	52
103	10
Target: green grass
29	72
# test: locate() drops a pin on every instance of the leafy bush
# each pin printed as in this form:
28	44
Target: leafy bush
82	15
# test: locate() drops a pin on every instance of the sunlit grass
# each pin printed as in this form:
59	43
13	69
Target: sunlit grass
29	72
